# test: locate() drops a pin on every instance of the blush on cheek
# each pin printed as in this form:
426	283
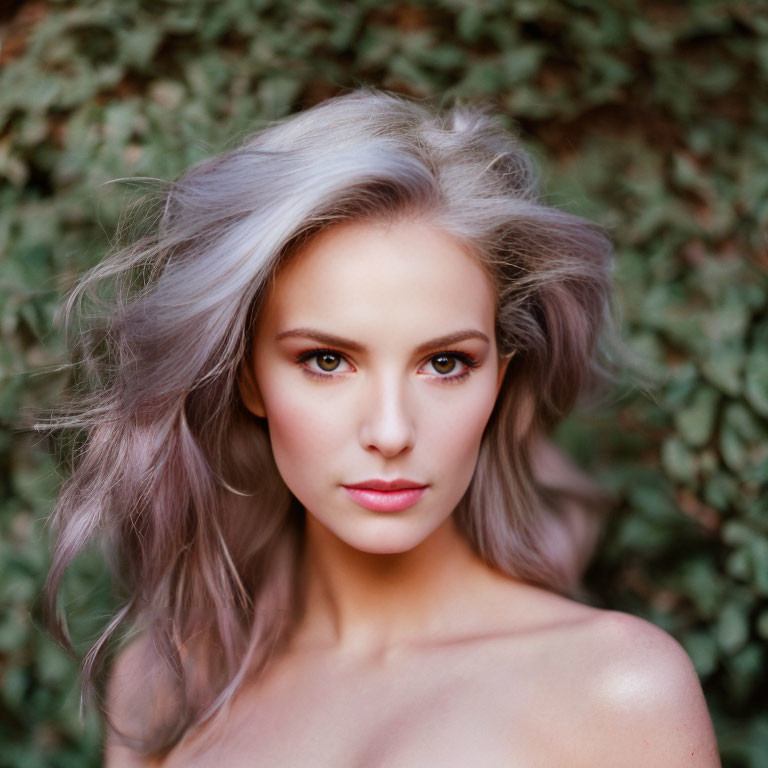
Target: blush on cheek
474	417
303	439
458	440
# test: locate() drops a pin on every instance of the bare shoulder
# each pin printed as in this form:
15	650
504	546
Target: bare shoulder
638	700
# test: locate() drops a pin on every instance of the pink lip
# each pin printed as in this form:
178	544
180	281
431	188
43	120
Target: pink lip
386	496
386	485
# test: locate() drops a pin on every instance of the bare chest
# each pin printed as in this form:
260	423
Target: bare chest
456	707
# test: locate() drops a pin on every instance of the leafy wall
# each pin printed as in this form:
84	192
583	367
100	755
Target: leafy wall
648	117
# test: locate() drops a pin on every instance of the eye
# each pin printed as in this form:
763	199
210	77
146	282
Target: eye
326	361
452	366
444	364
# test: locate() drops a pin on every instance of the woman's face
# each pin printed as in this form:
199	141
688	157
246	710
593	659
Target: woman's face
375	359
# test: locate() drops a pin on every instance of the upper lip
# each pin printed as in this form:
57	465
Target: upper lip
387	485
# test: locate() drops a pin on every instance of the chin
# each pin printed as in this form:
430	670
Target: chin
384	540
383	548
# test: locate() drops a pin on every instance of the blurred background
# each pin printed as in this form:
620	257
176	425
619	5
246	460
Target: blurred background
649	117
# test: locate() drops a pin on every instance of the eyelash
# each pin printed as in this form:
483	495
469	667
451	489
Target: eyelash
469	361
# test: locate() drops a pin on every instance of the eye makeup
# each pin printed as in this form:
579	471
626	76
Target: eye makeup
468	361
313	355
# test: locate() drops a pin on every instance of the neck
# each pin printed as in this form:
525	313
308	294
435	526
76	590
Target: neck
367	605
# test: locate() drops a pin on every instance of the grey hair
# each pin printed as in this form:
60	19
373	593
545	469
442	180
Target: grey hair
178	477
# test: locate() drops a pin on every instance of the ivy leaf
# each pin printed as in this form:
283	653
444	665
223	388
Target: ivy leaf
678	460
702	648
723	368
756	381
695	422
732	628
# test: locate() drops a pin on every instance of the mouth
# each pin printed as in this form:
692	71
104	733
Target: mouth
386	495
398	484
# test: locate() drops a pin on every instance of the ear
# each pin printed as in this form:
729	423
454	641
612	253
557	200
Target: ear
250	393
503	364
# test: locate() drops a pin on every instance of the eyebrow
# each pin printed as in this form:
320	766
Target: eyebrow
339	341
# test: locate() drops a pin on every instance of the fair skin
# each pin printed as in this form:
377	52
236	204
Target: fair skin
412	651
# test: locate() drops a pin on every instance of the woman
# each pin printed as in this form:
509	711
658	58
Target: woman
321	389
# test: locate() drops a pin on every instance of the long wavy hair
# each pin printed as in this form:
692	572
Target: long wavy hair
176	476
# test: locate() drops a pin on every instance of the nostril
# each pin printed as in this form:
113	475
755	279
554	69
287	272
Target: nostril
388	438
387	424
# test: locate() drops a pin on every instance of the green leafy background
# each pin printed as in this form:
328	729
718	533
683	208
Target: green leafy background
649	117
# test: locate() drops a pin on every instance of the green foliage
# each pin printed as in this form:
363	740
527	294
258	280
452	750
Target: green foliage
650	118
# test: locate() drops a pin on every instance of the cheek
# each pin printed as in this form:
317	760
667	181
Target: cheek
455	434
304	435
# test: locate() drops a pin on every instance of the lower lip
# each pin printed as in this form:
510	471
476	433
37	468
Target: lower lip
386	501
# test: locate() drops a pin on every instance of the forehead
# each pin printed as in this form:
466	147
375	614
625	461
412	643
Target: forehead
365	273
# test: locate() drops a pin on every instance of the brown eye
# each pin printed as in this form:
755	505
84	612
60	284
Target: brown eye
327	361
443	363
323	363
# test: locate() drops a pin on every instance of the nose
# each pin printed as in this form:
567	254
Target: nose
386	422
